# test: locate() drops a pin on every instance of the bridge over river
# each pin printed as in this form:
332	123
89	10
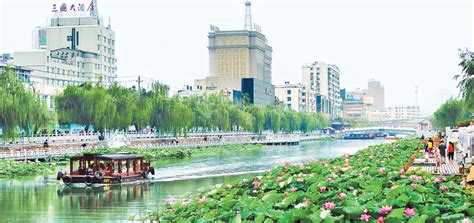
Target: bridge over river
386	130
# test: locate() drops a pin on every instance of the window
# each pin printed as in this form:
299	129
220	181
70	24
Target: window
98	47
289	105
288	98
288	91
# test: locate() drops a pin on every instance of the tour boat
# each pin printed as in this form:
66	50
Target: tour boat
105	169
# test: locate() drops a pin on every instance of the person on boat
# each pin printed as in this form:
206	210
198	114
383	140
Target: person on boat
89	170
46	143
442	151
451	152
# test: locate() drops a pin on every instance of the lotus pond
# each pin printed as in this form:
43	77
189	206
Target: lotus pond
368	186
41	198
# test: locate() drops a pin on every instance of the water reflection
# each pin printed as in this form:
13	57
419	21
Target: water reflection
104	196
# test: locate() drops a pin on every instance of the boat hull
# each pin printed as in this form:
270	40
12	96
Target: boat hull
90	180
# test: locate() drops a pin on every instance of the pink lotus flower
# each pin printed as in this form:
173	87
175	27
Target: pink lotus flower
341	196
325	164
437	180
329	179
301	167
279	179
322	189
466	220
442	177
293	189
443	188
412	177
419	178
202	200
364	217
409	212
402	171
256	184
287	163
169	201
414	186
382	169
329	205
380	219
385	210
301	180
314	161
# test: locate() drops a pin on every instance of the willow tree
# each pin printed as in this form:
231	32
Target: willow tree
19	108
87	105
466	83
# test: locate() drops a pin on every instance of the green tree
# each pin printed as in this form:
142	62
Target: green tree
19	108
87	105
466	83
449	113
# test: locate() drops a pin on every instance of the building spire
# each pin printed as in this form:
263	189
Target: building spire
248	16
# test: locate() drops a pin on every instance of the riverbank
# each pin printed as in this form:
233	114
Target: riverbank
349	188
13	168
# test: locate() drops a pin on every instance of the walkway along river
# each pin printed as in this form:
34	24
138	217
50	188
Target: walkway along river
43	199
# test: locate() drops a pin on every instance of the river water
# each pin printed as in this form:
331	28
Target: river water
43	199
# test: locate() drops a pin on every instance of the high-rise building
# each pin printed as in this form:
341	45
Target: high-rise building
71	50
324	79
238	54
376	90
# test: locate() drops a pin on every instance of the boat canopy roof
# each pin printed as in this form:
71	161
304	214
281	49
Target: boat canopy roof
112	156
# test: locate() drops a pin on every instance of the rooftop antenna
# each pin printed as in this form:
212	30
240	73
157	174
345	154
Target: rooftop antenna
248	16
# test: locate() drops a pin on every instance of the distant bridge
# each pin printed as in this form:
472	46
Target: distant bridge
388	130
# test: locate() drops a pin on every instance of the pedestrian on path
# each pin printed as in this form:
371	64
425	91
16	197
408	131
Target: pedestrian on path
430	146
451	152
437	158
442	151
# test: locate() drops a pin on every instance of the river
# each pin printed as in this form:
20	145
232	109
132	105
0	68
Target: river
43	199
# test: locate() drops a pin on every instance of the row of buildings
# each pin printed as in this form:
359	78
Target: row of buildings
70	50
80	48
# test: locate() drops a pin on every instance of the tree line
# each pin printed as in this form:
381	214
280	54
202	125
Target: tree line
118	107
459	111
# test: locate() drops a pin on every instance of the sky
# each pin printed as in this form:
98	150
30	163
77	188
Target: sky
402	43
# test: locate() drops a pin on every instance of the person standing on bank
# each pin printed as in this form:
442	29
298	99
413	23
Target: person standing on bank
450	152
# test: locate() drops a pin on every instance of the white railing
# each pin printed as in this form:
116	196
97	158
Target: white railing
146	144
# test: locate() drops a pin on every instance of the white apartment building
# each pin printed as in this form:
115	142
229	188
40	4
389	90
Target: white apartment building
296	97
71	50
403	112
324	79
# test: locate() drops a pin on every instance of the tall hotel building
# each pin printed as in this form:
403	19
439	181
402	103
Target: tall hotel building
71	50
241	60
